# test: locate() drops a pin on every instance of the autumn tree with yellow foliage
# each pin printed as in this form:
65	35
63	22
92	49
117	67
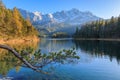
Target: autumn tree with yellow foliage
12	24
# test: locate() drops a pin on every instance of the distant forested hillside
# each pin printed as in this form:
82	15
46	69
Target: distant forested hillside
100	29
13	25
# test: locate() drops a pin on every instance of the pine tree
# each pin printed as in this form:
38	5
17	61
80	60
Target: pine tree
101	29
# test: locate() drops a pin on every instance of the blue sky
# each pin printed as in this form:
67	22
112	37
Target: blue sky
101	8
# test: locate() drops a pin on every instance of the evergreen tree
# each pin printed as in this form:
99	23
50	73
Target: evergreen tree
100	29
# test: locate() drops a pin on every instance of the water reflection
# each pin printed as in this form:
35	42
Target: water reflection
8	61
50	45
110	49
98	69
100	48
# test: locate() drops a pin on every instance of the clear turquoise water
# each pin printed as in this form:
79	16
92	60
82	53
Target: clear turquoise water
99	60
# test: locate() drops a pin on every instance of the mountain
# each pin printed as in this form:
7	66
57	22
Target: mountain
73	16
59	21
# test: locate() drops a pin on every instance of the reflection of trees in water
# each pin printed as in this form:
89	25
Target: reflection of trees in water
100	48
9	61
36	61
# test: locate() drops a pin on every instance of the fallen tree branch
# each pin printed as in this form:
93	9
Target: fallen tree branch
40	60
21	58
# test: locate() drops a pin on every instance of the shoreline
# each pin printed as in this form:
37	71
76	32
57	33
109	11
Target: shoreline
19	40
99	39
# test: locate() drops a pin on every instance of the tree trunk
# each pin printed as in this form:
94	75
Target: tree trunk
20	58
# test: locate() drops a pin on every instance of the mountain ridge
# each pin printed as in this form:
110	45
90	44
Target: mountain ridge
73	16
59	21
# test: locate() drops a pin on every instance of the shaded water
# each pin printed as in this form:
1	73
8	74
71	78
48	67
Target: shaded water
99	60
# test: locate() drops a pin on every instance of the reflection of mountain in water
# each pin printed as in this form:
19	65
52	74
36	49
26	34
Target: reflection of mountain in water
48	45
100	48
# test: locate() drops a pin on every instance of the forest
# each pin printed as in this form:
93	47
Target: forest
109	28
13	25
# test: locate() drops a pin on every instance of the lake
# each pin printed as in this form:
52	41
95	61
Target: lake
99	60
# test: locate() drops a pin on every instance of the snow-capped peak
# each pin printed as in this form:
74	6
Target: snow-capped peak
73	16
37	13
38	16
50	15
